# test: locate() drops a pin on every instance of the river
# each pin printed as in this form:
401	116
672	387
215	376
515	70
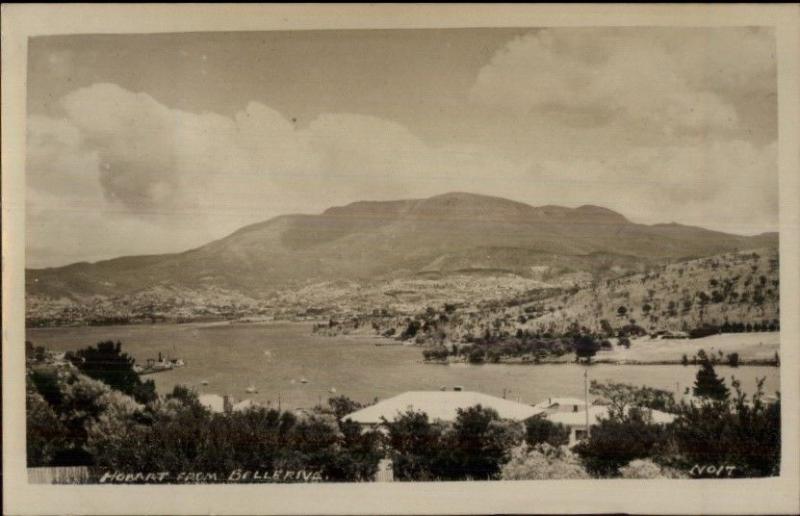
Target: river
276	357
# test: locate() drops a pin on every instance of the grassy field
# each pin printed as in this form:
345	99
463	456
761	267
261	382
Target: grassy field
752	347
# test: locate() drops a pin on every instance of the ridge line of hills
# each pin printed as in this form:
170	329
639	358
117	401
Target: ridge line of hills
384	241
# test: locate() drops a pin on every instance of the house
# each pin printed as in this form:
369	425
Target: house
245	405
215	403
440	406
551	405
575	420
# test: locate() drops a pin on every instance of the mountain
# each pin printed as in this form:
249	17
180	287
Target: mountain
454	232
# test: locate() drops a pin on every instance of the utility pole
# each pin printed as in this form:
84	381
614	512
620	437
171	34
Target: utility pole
586	397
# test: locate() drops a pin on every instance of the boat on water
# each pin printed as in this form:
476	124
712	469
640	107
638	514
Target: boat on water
303	380
203	382
332	390
251	390
157	366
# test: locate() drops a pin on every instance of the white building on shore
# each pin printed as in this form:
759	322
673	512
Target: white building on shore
440	406
574	414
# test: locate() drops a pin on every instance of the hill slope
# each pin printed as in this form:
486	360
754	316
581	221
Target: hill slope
453	232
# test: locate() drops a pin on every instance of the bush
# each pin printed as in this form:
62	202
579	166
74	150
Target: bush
106	362
647	469
543	462
476	356
616	441
539	430
742	432
437	353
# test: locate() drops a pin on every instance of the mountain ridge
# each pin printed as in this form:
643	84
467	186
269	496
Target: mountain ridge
367	240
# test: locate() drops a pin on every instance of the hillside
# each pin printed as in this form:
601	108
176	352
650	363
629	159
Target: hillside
736	292
368	242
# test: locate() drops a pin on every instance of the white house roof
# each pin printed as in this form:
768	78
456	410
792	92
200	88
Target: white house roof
597	412
440	405
549	402
244	405
213	402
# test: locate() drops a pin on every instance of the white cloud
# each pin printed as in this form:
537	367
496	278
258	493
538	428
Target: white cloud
125	155
667	82
730	186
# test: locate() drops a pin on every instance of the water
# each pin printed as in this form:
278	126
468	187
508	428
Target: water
275	357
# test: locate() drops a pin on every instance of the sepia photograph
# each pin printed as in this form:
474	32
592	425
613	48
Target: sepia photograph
414	256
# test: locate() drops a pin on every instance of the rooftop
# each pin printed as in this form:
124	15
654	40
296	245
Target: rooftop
440	405
213	402
597	412
549	402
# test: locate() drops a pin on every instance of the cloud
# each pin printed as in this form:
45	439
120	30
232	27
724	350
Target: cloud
128	156
729	186
659	80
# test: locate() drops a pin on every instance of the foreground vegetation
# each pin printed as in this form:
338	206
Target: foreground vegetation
93	410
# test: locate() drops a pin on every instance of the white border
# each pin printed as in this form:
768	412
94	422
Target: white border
752	496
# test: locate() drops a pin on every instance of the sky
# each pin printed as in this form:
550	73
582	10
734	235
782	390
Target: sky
146	144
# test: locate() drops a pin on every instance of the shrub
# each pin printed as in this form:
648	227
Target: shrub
647	469
741	432
476	356
540	430
106	362
543	462
616	441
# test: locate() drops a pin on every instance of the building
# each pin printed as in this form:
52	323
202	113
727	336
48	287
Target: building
440	406
552	405
574	416
215	403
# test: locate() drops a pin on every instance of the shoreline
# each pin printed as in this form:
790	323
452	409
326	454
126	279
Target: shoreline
743	363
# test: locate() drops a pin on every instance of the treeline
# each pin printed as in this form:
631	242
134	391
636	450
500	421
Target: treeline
525	345
734	327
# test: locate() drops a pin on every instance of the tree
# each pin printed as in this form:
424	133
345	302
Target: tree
707	384
358	456
106	362
741	432
45	433
619	439
622	311
478	444
733	359
539	430
411	330
621	396
585	347
342	406
416	446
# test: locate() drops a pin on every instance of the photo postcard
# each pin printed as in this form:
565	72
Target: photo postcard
541	260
